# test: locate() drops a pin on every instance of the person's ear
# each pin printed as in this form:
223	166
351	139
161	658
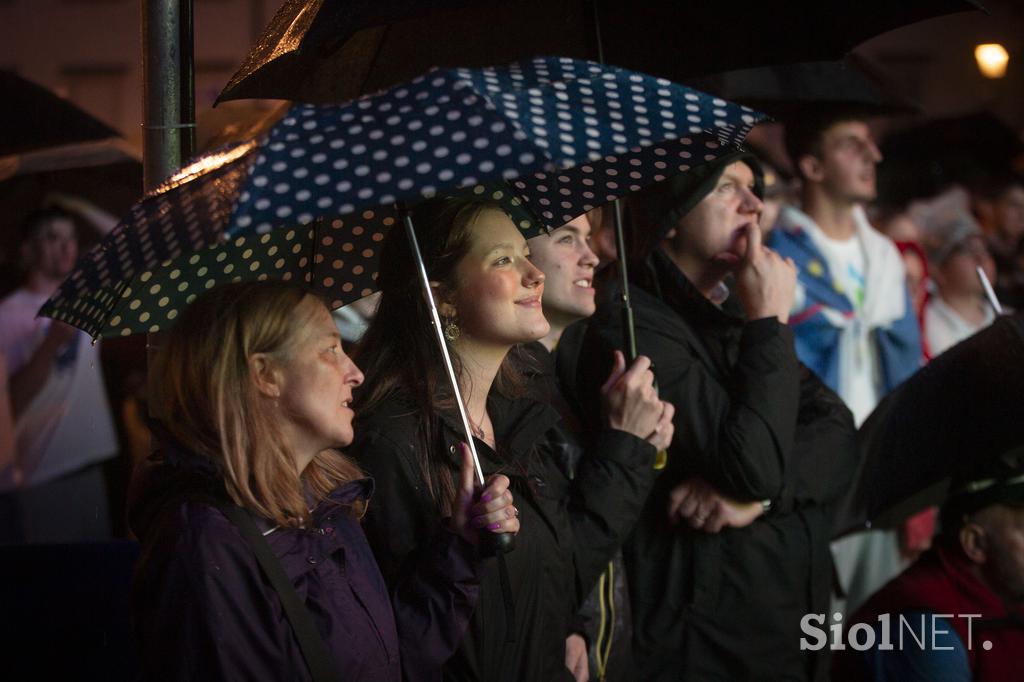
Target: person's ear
266	374
974	542
811	168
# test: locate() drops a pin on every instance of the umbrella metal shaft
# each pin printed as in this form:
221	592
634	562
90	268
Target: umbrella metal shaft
628	328
989	291
435	320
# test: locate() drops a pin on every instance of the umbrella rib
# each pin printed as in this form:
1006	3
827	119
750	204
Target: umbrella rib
312	255
376	56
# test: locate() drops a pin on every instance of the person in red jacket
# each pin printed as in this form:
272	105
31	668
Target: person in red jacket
957	613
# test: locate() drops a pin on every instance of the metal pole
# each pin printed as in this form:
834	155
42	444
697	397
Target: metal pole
168	105
435	320
168	88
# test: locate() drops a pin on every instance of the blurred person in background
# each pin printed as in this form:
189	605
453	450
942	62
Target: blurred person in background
853	319
956	248
63	426
899	225
963	601
1000	207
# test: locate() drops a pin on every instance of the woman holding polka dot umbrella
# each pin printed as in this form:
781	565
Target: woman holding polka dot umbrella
570	134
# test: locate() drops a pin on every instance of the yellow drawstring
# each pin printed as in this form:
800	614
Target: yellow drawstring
604	649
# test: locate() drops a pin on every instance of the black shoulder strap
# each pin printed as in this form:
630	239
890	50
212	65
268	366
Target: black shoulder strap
314	650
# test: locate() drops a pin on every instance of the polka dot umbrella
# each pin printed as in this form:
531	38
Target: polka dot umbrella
567	134
336	258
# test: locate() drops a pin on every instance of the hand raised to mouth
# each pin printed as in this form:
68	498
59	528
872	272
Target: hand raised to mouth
765	282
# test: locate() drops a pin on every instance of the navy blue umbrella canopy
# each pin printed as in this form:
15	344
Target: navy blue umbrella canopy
566	135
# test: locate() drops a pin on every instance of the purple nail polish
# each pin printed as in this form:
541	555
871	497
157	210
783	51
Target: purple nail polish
486	497
494	526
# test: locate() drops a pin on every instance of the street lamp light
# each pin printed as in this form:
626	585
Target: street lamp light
992	59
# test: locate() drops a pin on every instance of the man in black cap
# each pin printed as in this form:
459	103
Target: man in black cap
958	612
732	547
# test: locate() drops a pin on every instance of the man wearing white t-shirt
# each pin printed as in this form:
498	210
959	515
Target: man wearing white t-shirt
852	318
62	424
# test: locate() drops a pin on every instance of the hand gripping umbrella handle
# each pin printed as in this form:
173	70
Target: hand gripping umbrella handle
490	543
628	325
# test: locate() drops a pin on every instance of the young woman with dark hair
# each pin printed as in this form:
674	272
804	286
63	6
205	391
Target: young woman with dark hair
489	297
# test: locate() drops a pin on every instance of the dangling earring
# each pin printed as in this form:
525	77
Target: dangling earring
451	330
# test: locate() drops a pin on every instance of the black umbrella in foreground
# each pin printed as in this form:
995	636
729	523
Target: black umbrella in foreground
785	91
926	159
333	50
952	420
34	118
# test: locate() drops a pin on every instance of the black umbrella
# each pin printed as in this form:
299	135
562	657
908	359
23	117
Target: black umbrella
333	50
951	420
969	150
34	118
786	91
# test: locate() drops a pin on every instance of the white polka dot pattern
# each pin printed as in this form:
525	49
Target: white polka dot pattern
573	134
567	134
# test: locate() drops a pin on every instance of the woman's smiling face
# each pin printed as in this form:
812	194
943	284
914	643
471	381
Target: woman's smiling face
497	299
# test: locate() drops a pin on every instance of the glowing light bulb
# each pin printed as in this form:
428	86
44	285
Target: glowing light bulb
992	59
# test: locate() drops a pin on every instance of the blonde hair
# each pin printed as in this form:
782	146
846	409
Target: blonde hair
210	403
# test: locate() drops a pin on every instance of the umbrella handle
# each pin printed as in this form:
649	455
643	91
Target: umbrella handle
493	544
628	324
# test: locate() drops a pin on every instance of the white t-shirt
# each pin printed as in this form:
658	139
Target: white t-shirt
945	327
858	356
67	425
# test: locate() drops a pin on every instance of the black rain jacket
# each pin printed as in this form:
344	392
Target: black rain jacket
569	529
757	425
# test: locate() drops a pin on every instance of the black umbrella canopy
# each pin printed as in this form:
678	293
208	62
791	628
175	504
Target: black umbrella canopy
969	150
785	91
334	50
954	419
34	118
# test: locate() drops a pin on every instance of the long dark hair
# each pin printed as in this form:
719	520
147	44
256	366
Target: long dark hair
399	353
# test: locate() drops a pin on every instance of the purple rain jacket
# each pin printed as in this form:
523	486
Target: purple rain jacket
202	609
